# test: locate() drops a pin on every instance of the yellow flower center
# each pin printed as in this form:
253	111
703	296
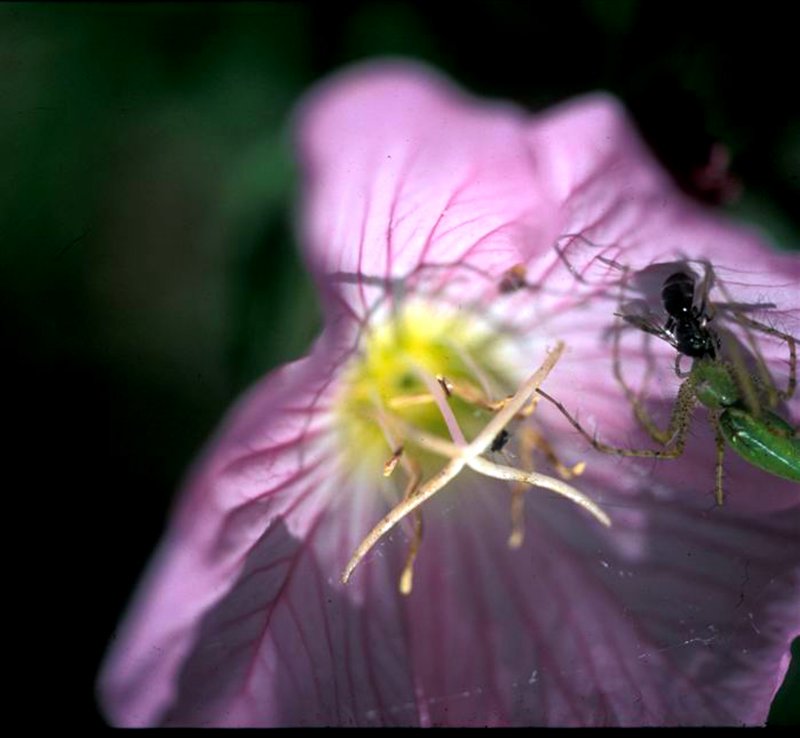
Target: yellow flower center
392	384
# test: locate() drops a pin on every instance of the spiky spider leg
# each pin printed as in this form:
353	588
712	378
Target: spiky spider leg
645	420
678	426
659	435
791	382
775	395
719	441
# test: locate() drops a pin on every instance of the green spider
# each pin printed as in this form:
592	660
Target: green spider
740	404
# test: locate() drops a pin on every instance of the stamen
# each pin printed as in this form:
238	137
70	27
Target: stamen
382	420
398	403
423	439
406	583
407	576
536	440
472	395
413	471
529	440
517	536
575	470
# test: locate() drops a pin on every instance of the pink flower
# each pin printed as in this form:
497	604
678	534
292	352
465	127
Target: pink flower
434	227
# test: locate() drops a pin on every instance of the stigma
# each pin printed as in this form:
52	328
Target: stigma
428	396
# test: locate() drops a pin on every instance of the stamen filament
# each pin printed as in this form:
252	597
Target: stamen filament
436	390
471	394
398	403
429	442
407	575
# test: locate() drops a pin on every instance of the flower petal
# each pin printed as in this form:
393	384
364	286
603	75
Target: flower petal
261	486
403	171
600	182
671	618
680	614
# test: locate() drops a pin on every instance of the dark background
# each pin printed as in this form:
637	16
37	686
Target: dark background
148	269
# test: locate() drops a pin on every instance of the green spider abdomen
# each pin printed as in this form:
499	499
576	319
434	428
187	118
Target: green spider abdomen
766	441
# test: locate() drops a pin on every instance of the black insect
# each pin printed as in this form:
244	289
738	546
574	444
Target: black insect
500	440
686	323
686	328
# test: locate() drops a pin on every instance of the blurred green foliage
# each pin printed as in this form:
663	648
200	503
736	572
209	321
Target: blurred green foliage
149	267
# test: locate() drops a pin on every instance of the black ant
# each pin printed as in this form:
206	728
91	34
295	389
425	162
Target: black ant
500	441
686	329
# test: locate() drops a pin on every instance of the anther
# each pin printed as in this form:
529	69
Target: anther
513	279
407	576
517	536
391	464
445	384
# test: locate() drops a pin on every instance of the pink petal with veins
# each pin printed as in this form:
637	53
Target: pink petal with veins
404	171
681	613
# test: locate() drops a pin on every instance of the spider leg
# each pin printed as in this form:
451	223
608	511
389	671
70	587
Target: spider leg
645	420
675	433
719	440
